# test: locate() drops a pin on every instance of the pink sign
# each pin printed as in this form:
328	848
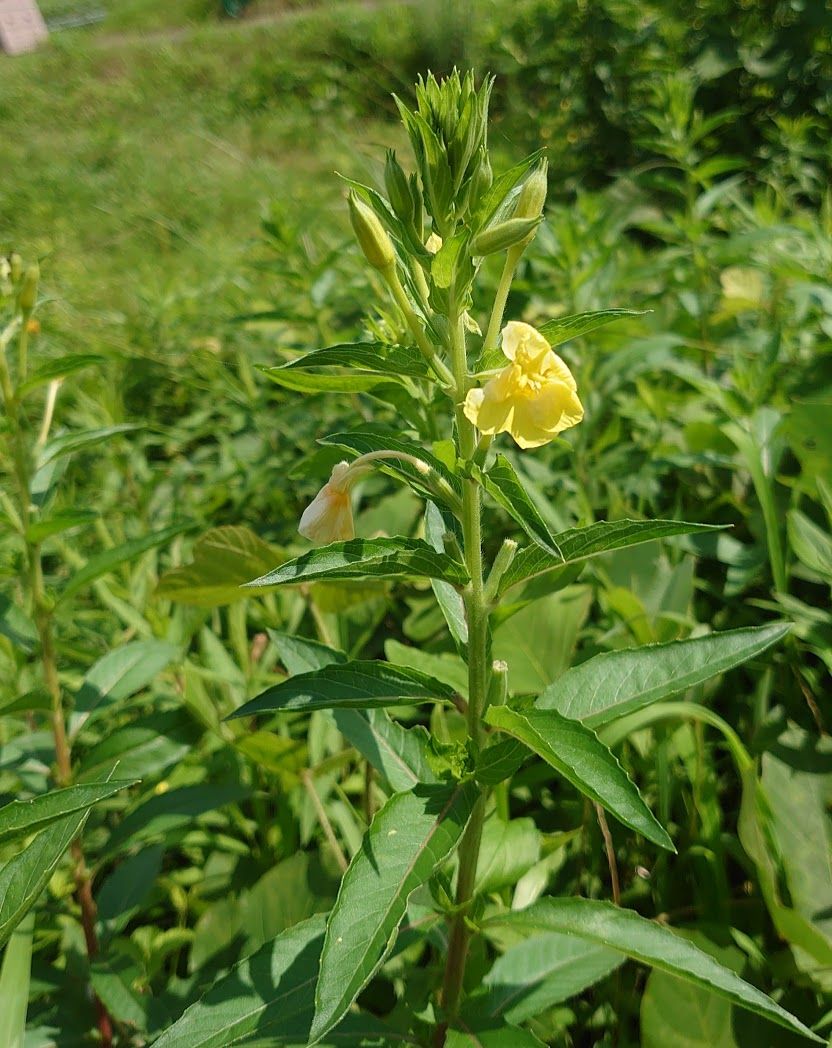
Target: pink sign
22	26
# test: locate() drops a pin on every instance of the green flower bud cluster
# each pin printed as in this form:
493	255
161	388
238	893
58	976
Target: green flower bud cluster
448	134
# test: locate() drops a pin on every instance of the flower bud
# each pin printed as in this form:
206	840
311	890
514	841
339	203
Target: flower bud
532	196
371	234
328	518
15	267
29	288
504	235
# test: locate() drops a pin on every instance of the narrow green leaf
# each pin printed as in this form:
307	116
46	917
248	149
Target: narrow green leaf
59	368
378	357
619	682
500	761
449	599
15	976
562	329
315	382
21	818
302	655
505	487
40	530
112	558
507	851
650	943
223	560
67	443
118	675
577	753
578	544
542	971
407	841
811	544
366	558
350	685
24	877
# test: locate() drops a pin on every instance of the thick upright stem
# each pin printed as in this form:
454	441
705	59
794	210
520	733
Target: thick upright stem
477	616
500	299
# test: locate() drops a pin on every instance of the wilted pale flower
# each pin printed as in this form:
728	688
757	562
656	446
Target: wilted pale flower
328	517
534	398
433	243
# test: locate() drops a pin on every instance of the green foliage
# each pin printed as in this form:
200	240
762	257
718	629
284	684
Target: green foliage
172	472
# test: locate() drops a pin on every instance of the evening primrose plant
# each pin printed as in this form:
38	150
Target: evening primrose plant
474	955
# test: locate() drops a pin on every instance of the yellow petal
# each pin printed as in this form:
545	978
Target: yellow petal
555	367
490	408
328	518
517	336
540	417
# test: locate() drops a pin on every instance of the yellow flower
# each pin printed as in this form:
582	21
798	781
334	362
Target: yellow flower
328	517
534	398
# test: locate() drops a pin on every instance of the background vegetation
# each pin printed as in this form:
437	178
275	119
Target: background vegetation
178	191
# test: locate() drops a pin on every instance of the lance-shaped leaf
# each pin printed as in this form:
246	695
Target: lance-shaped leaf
365	364
224	559
490	1036
449	599
67	443
21	818
616	683
578	544
15	979
24	877
540	972
367	558
562	329
59	368
400	754
302	655
577	753
505	487
349	685
363	442
407	841
268	997
108	560
649	943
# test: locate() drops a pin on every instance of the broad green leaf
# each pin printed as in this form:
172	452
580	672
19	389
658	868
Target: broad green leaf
619	682
67	443
24	877
400	754
363	442
447	597
502	1036
448	668
302	655
118	675
650	943
408	839
366	558
266	999
349	685
507	851
143	748
128	884
113	979
105	562
15	976
578	544
17	626
505	487
223	560
543	971
563	329
577	753
40	530
21	818
59	368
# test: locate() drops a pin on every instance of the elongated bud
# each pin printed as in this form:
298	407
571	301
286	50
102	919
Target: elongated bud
398	190
29	288
15	267
498	685
504	235
532	196
371	234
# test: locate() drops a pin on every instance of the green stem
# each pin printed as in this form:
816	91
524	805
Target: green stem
477	614
425	348
499	307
